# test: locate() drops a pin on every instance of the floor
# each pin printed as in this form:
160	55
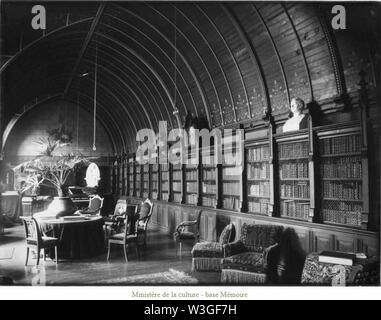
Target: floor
160	256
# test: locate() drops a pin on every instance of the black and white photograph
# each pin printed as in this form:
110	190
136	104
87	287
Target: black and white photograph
190	144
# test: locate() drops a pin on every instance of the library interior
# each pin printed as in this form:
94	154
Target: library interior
267	171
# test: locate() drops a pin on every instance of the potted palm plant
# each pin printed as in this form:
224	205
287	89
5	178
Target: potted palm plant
53	171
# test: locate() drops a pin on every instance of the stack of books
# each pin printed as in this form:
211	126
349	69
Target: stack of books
341	258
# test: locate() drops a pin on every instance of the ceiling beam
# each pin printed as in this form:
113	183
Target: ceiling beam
85	45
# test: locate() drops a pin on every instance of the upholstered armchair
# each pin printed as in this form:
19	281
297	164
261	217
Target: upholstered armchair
246	260
207	256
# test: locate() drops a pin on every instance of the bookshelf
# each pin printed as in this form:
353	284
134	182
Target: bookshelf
131	177
138	180
177	183
146	181
164	181
231	186
258	179
294	177
341	173
209	183
191	184
155	175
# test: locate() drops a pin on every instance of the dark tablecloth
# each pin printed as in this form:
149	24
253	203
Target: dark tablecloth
80	240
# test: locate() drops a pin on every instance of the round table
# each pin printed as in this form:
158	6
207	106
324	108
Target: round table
77	239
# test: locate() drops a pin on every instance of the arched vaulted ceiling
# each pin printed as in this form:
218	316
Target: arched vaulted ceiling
227	62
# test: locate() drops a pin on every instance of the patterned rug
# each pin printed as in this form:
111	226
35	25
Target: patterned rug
7	254
170	277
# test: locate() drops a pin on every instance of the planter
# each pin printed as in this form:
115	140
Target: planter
61	207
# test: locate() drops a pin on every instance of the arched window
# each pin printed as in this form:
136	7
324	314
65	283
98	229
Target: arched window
93	176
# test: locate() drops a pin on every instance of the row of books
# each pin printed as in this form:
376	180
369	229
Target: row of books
293	209
231	203
209	202
177	197
177	175
342	205
155	168
342	190
165	176
155	185
261	206
258	154
145	194
165	167
261	189
155	194
209	188
165	186
177	186
231	188
191	199
192	175
209	174
146	168
341	168
352	218
294	170
258	171
192	187
233	173
165	196
295	190
340	145
293	150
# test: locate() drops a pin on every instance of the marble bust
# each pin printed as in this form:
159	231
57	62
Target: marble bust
298	120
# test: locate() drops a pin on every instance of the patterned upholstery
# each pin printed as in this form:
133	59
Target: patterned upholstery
208	250
207	256
363	272
246	259
228	234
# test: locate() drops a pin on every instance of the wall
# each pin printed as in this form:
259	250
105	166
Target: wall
35	123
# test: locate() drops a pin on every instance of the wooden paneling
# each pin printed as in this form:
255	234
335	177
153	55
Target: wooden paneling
312	237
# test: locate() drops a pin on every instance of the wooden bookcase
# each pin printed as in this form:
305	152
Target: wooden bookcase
131	177
146	181
209	185
138	180
318	175
343	173
164	182
295	192
177	183
258	178
155	181
192	184
232	184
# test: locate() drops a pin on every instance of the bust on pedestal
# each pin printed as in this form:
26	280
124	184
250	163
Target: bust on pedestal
298	120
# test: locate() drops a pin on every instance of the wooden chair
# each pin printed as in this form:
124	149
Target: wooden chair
37	241
145	215
183	234
114	223
95	206
130	235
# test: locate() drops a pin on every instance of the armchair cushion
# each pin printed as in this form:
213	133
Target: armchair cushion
256	237
247	261
234	248
208	250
